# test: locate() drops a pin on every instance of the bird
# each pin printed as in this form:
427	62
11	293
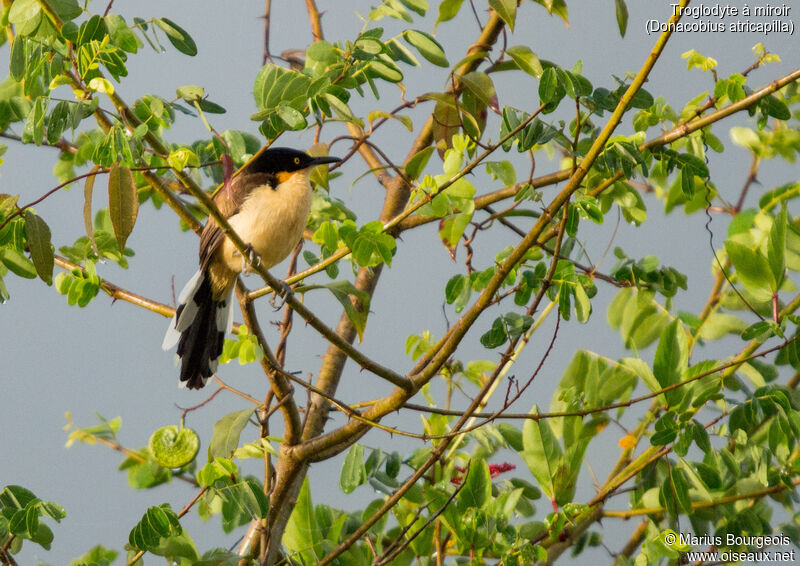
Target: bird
267	204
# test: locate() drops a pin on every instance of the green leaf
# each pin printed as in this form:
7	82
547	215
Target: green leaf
181	157
41	249
58	121
225	438
369	44
23	10
255	450
427	46
663	437
448	10
405	120
720	324
458	292
190	93
496	335
513	438
93	29
399	52
753	270
156	524
775	107
479	85
503	171
416	164
541	452
583	305
672	359
697	59
293	118
573	218
341	109
354	473
371	246
66	9
357	314
16	497
34	126
17	263
144	472
392	9
177	549
7	203
757	329
506	9
216	469
97	556
477	488
643	371
452	228
99	84
248	496
776	246
177	36
675	492
525	59
418	6
549	89
687	183
121	35
17	60
173	446
622	16
211	107
385	70
557	7
123	202
303	536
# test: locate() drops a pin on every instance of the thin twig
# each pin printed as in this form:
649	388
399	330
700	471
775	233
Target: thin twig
267	12
391	553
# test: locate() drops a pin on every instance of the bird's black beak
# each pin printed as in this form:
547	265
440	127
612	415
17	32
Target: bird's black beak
322	160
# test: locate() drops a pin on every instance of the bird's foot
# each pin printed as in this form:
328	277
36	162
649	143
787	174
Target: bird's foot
278	301
252	259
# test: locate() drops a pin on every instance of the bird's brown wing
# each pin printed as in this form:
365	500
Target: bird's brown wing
241	186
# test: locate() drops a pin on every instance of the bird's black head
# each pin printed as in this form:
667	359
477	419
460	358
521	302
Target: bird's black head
277	160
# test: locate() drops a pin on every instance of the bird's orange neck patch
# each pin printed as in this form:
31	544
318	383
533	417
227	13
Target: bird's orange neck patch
284	176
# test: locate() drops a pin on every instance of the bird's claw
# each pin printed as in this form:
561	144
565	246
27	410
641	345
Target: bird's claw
252	259
278	301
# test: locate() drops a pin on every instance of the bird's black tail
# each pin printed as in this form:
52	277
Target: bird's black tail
199	328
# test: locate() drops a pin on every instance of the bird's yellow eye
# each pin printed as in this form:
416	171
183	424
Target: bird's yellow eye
297	161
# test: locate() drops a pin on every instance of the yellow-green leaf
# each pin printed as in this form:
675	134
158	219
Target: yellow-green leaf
174	447
405	120
525	59
123	202
506	9
17	263
753	270
99	84
7	203
190	93
182	157
427	46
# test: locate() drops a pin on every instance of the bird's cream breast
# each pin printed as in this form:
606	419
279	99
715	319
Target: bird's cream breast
273	220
